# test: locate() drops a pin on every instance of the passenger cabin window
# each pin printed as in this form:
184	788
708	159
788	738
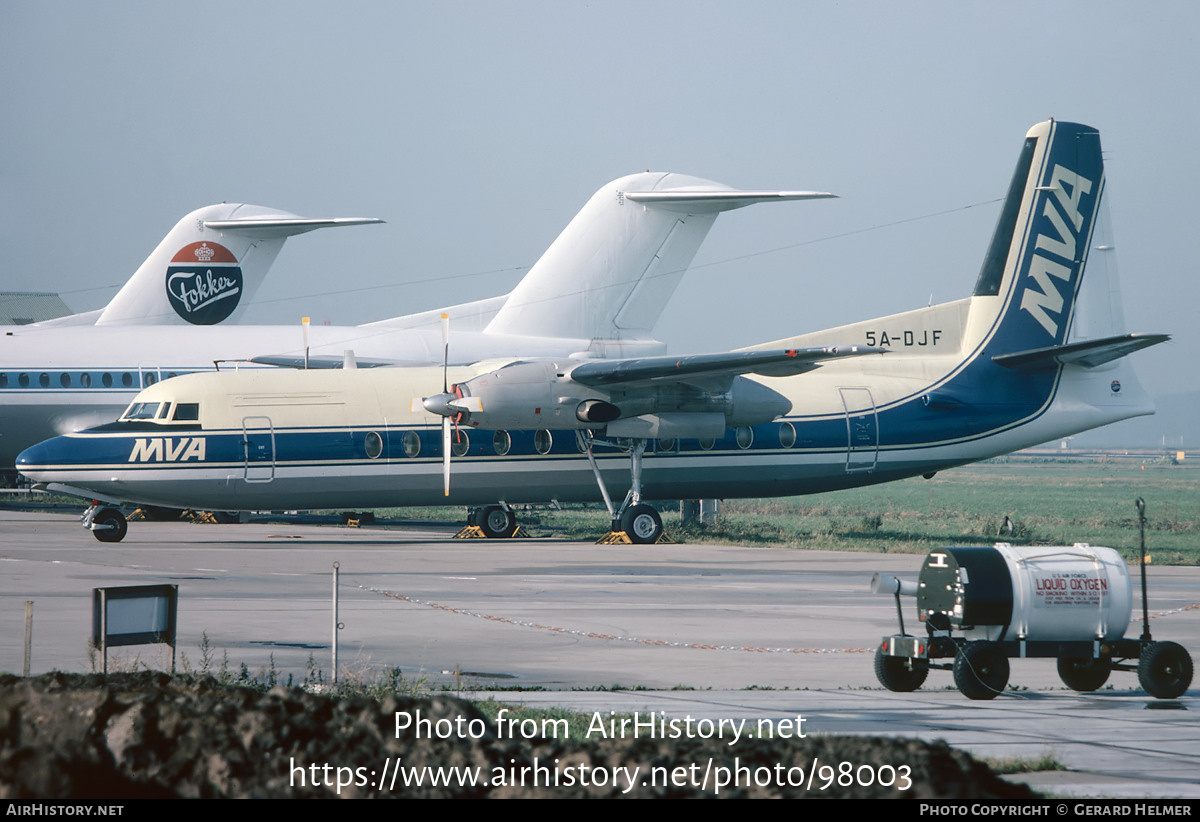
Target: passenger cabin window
187	412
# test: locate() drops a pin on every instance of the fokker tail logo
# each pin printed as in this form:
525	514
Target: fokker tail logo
204	283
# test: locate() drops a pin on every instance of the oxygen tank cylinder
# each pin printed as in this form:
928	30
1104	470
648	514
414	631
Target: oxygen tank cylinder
1002	592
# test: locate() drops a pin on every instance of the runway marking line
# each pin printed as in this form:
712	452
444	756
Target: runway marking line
701	646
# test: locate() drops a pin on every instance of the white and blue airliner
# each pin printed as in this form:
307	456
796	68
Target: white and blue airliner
1036	352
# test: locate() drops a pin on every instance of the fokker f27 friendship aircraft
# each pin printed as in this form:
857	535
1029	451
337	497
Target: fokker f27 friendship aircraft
1035	353
598	289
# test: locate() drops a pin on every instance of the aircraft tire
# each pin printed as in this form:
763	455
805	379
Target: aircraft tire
642	524
980	670
1083	674
113	525
893	672
496	522
1165	670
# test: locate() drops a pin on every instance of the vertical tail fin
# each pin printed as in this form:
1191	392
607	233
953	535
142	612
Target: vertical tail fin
209	266
1035	265
1045	320
610	273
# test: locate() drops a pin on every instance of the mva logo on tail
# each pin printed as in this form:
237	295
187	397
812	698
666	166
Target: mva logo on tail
1061	225
1043	297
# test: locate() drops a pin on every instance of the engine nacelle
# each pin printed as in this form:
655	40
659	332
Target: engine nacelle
541	394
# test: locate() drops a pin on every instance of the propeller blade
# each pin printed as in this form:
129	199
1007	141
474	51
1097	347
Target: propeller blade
446	455
445	351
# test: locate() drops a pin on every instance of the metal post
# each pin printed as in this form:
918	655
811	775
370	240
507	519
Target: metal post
104	627
336	624
1141	509
599	479
28	636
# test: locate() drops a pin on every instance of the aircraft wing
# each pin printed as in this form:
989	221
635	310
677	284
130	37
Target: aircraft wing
320	362
783	362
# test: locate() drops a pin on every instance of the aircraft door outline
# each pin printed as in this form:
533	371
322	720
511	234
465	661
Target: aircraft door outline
862	430
258	446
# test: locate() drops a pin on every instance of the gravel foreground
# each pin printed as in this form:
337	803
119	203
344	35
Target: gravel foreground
73	736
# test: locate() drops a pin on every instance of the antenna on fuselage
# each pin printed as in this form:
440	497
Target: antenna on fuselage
304	326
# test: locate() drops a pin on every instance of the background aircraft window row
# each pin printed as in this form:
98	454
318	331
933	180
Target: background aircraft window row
82	379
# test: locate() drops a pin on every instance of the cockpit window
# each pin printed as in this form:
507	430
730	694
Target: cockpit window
186	411
142	411
162	412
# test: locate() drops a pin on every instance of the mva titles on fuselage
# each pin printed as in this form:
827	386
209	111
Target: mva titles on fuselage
1037	352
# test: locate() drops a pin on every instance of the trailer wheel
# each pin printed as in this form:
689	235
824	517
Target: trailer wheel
894	674
1084	674
980	670
1165	669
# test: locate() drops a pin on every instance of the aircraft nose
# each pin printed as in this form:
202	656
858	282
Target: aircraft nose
33	459
33	456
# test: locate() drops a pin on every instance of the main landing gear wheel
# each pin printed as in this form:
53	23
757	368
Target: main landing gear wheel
496	522
1084	674
980	670
642	524
1165	670
109	525
894	674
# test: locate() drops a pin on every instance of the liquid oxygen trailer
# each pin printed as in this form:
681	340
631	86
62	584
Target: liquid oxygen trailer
983	605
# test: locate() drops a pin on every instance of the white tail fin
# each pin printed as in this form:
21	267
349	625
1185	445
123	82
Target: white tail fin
209	266
609	274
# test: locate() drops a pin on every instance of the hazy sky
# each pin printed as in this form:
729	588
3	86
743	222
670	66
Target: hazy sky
477	130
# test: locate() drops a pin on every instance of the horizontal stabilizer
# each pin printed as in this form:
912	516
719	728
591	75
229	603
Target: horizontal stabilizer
285	226
1089	354
772	363
720	199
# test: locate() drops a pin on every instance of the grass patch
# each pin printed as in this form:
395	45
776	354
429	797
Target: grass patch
1024	764
1047	503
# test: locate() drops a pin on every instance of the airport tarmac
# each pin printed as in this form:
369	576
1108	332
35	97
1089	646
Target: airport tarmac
710	631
